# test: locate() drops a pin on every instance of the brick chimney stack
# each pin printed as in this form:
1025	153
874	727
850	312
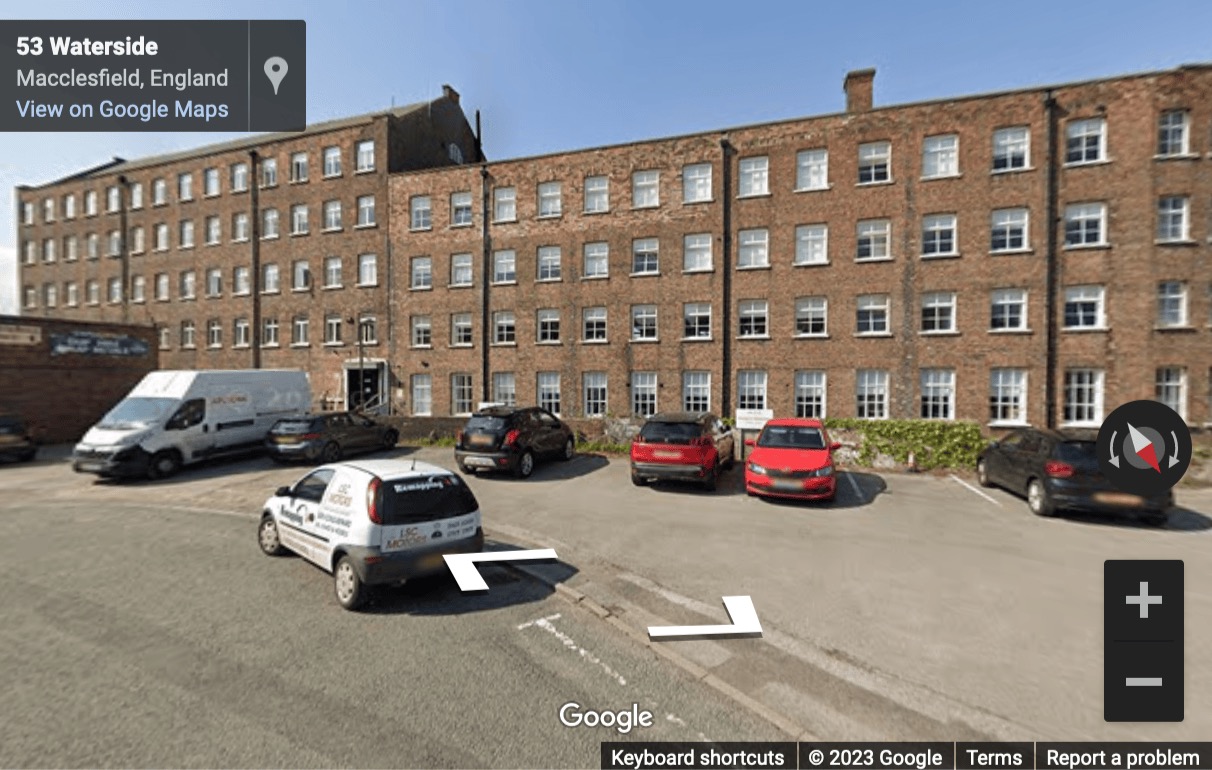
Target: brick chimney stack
450	94
859	86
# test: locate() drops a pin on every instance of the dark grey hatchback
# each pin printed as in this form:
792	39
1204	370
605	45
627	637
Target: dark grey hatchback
510	438
327	437
1058	470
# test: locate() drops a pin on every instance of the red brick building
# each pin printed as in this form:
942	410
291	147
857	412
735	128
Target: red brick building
269	251
1038	255
881	262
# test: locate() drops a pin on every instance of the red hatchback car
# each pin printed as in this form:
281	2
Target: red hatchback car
791	458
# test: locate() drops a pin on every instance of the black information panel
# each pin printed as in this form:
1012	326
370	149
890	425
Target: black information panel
933	755
1142	641
153	75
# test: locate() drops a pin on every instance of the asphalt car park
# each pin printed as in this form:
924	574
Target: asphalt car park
912	606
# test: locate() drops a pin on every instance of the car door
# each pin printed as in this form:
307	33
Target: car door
1021	461
550	432
299	526
996	463
193	434
361	432
338	430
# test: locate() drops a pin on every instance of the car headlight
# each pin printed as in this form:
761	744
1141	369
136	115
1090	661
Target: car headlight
826	471
757	468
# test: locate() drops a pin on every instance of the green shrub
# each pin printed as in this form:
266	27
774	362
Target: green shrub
935	444
448	441
604	447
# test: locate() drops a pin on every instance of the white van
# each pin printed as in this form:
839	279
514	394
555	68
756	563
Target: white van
175	418
373	522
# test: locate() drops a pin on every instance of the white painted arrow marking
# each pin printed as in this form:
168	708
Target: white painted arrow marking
740	611
463	565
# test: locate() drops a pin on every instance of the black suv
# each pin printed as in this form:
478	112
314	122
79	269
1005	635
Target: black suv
16	441
507	438
1059	470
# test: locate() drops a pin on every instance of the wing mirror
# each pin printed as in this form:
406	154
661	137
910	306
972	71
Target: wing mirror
836	445
282	492
750	442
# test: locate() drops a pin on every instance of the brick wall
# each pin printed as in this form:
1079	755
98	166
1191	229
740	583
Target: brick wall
62	396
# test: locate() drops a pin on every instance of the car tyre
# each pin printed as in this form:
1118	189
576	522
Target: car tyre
163	464
638	480
467	469
267	537
331	453
349	589
713	479
1037	499
525	465
390	439
570	449
1158	520
982	474
30	455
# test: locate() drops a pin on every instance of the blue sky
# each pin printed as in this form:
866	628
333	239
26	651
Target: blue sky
565	74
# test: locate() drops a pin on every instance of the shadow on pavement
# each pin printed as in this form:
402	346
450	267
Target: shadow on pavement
440	595
730	483
1178	520
552	470
235	465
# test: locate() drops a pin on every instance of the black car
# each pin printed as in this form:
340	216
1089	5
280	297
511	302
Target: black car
16	442
327	437
507	438
1058	470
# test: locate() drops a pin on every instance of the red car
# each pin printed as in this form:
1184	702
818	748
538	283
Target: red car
791	458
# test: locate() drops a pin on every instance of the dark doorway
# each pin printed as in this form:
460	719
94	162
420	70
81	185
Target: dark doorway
363	388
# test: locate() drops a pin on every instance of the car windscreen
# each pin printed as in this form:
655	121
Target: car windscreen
485	422
138	412
670	432
427	498
1079	454
788	437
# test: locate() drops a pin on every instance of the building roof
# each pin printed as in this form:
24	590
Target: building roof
121	165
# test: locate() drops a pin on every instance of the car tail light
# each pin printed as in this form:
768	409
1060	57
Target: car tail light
638	439
310	436
372	501
1057	469
511	437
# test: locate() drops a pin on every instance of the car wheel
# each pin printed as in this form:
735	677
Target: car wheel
331	453
350	591
639	481
267	537
466	469
30	455
1156	519
390	439
525	465
713	479
164	464
1037	499
570	449
982	474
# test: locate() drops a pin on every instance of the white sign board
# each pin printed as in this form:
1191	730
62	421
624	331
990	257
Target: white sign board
753	419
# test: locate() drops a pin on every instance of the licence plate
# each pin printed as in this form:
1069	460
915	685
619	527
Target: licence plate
479	462
480	439
666	454
431	562
93	467
1118	498
286	439
790	486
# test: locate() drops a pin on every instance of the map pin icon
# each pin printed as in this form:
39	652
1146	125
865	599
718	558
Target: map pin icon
275	70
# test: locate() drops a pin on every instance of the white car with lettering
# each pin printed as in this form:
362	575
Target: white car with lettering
373	522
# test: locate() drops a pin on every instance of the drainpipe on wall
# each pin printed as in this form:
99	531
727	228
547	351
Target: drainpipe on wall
255	233
124	250
485	266
390	331
726	408
1052	267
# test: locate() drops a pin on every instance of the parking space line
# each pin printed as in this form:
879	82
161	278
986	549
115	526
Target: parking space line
973	489
858	492
572	646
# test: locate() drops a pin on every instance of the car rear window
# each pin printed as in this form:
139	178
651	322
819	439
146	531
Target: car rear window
670	432
10	425
410	501
1078	453
485	422
287	427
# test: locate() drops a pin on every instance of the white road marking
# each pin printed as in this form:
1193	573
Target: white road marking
854	485
973	489
572	646
530	623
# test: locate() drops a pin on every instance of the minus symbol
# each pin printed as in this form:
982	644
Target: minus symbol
1143	681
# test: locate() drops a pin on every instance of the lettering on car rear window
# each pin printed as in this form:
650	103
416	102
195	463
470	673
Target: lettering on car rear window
433	482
